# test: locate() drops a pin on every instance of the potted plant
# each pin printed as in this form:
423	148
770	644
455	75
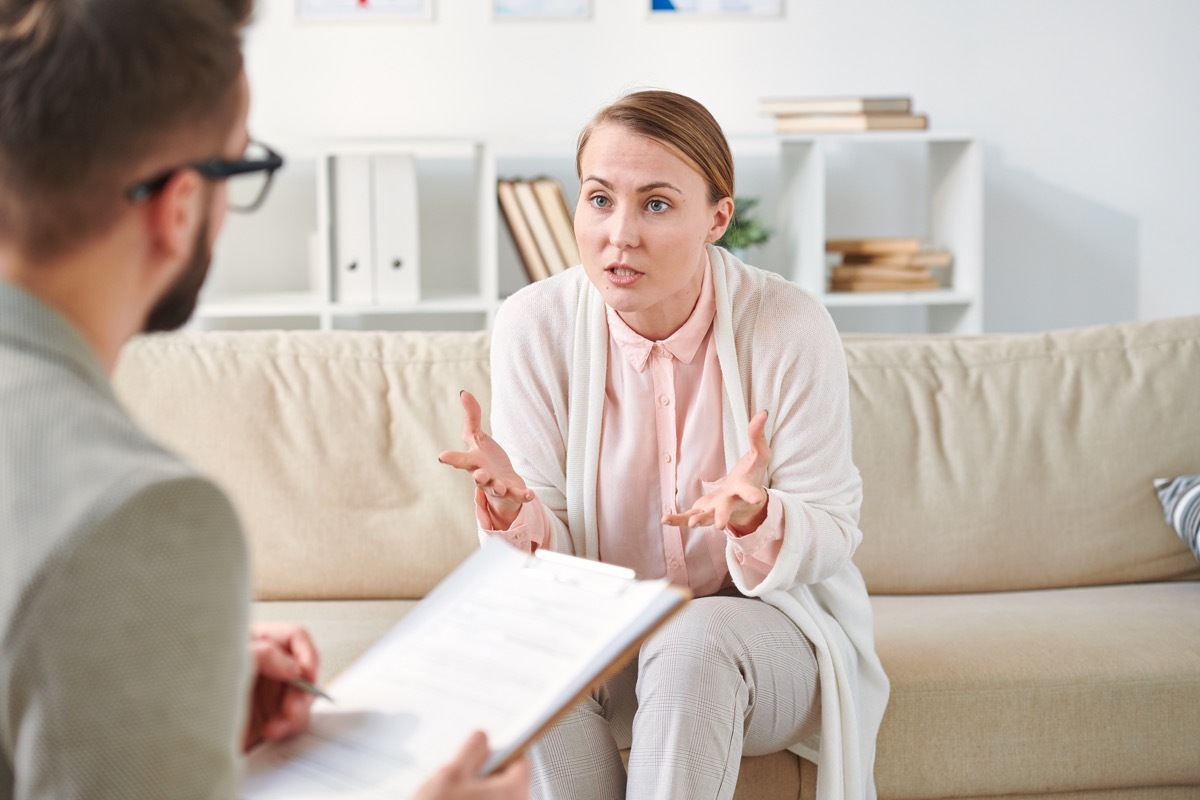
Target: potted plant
744	230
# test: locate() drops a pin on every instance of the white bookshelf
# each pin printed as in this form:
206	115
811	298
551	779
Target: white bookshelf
458	272
948	202
468	263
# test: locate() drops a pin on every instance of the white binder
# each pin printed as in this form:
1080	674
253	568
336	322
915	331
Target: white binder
396	239
353	276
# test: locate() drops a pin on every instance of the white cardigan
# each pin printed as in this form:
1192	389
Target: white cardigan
779	350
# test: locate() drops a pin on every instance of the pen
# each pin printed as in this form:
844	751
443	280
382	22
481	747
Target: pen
311	688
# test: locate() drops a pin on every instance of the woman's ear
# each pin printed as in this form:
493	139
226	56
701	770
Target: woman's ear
722	216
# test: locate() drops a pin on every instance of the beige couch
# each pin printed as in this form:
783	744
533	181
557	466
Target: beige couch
1039	621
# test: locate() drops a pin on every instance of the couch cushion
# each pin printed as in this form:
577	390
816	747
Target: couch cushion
989	463
1026	461
328	445
1046	691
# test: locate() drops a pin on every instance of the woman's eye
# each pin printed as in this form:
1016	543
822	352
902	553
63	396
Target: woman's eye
599	201
657	206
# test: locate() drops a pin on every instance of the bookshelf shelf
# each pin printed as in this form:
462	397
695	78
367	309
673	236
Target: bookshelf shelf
944	192
468	264
932	297
462	304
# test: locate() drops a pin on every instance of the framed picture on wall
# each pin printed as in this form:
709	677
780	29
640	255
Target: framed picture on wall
541	9
716	8
313	10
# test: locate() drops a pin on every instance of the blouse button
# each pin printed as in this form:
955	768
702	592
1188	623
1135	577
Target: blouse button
666	401
667	457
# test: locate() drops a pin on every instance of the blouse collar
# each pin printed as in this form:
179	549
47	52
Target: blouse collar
684	343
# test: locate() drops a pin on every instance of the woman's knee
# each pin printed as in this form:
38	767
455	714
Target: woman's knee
701	636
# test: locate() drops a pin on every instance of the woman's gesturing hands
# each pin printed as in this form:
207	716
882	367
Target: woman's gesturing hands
489	466
740	498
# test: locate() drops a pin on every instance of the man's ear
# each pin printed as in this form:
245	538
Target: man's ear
174	215
722	216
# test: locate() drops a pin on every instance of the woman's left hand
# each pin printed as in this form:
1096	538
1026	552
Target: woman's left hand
740	498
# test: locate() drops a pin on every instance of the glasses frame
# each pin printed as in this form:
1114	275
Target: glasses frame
216	169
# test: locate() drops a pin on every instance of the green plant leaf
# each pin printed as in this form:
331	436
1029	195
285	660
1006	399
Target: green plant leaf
744	230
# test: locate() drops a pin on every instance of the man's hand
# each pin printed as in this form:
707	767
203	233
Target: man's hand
489	466
740	498
280	653
460	780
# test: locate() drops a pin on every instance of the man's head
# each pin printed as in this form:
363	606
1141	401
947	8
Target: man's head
98	95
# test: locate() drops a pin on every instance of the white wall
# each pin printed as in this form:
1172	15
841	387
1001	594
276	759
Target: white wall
1088	109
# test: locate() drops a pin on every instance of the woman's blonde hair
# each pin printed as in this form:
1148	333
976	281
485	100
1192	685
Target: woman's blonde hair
678	123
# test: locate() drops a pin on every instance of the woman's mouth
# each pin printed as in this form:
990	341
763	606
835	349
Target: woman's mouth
621	275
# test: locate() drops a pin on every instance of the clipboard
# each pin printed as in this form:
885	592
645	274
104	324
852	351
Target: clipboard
506	643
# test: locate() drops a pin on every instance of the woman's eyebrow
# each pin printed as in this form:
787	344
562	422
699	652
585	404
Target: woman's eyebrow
649	187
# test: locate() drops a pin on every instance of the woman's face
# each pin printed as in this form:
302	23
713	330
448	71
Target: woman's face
642	221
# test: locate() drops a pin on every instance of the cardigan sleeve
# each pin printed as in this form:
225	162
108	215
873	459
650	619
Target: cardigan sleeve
793	355
529	399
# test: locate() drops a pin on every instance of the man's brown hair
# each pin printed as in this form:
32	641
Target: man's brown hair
90	90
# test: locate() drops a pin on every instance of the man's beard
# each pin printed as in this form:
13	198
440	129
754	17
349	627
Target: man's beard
175	307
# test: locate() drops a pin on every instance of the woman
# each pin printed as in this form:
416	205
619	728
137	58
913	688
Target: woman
622	393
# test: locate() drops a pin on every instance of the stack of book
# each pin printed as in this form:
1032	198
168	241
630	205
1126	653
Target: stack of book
884	265
537	217
843	114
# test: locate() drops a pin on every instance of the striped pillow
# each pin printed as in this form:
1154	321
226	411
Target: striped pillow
1180	500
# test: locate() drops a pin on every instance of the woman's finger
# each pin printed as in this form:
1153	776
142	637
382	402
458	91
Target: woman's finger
722	509
472	418
757	431
758	426
460	459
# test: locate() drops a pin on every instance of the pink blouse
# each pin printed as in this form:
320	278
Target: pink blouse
661	449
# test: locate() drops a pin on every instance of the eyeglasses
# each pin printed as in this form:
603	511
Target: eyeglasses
248	177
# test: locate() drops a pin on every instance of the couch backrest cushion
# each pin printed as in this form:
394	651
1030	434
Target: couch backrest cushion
328	445
989	463
1002	462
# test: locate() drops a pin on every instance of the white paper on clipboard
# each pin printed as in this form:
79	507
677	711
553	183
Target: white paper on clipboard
504	644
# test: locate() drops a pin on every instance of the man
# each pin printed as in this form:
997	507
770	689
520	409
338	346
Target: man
124	586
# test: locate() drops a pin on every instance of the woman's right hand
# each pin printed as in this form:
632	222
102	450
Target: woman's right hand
489	466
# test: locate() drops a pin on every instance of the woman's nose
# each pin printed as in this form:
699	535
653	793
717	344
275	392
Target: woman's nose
624	231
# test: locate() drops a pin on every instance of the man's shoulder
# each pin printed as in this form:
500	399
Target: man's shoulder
73	461
73	436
